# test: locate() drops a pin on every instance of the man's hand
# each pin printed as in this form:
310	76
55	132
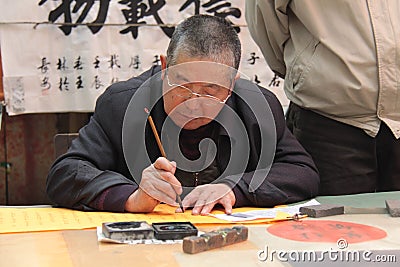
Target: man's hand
203	198
158	184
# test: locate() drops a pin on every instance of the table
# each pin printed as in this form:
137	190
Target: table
80	247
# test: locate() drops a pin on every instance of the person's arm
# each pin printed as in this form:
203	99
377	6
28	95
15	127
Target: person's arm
86	177
158	184
268	25
293	176
93	174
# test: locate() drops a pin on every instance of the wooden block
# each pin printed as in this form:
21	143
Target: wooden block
393	206
244	233
317	211
194	244
215	239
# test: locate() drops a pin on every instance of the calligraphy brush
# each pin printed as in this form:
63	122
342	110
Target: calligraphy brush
160	146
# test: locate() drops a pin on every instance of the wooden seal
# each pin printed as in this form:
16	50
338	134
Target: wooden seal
215	239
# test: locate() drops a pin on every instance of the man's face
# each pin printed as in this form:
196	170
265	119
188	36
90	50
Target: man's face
195	90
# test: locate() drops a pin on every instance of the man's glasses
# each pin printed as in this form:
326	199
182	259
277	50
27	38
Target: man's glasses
186	94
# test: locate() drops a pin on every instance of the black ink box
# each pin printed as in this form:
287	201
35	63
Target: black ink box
122	231
173	230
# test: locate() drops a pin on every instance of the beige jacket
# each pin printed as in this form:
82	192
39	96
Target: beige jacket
339	58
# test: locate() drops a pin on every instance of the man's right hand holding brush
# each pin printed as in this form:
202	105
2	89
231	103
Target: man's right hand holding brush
158	184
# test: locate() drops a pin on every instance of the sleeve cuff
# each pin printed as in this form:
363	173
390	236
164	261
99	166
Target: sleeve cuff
114	198
241	199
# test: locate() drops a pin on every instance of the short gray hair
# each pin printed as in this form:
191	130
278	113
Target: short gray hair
205	36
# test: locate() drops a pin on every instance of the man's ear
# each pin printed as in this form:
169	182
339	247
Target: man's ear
163	60
237	76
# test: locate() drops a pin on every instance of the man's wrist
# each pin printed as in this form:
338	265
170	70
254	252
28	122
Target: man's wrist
113	198
139	201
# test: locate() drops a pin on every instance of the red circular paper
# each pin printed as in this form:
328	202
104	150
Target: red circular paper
326	231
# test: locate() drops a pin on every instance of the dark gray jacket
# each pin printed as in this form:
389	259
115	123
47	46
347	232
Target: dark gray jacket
95	167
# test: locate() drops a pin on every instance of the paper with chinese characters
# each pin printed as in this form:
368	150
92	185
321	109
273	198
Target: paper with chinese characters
29	219
59	55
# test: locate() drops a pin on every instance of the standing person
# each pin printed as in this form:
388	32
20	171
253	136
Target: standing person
195	97
341	64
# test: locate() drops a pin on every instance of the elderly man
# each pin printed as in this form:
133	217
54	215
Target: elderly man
225	138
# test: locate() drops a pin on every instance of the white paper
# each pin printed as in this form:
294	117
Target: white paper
263	214
47	70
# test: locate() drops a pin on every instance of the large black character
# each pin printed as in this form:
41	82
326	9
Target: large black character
44	68
219	8
65	9
97	82
79	82
135	62
275	81
253	58
61	64
138	10
63	84
114	62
